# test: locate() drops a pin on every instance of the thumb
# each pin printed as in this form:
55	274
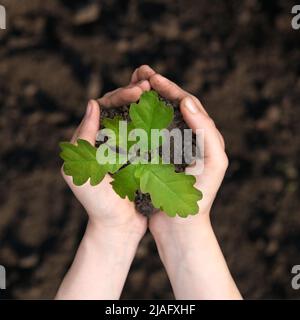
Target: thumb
90	123
202	124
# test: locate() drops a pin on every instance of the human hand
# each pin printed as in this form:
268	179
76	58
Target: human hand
188	246
105	208
115	228
215	160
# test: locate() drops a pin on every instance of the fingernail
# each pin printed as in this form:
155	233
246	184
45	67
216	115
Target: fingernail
89	109
190	105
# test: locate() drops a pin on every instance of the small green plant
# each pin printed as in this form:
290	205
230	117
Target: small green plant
170	191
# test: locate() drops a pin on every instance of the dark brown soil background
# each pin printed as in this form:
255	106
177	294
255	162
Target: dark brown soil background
241	58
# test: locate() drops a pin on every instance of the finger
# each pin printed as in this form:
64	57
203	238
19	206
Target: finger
222	140
75	134
90	124
144	72
134	77
144	85
170	90
203	125
87	130
124	96
167	88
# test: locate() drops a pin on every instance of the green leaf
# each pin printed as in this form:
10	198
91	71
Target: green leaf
150	113
125	182
170	191
107	156
114	125
81	164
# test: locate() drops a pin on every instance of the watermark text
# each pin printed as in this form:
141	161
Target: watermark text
2	17
2	278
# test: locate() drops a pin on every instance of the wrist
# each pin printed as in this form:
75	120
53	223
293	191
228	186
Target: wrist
119	224
164	227
113	236
177	237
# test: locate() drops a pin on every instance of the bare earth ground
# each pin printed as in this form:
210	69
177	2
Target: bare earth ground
241	58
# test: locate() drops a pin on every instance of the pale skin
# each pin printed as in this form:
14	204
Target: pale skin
187	247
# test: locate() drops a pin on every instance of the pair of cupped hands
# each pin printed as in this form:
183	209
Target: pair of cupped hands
106	210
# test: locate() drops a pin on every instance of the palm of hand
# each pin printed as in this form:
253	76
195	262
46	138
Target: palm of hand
104	205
